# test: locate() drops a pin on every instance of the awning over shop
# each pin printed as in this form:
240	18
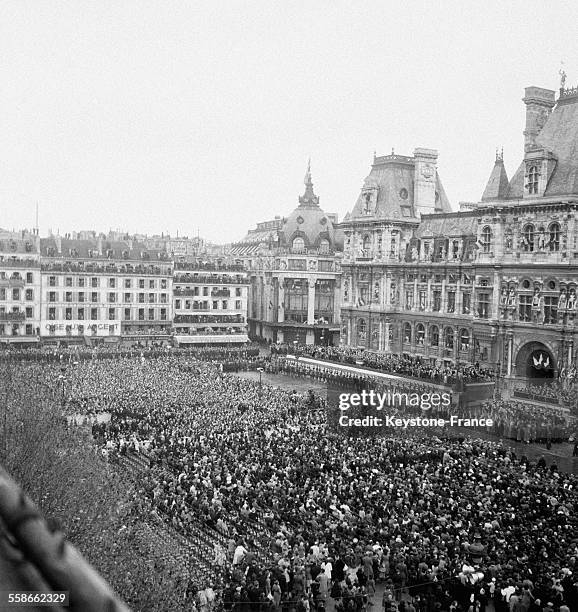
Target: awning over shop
213	339
20	340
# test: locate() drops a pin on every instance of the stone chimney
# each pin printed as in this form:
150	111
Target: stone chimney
539	103
58	242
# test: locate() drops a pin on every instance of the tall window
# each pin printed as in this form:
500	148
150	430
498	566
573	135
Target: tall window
299	244
550	309
422	299
455	249
437	301
324	246
528	237
554	231
409	299
366	246
484	305
407	333
361	330
533	179
434	336
525	308
486	239
466	302
449	338
464	340
420	334
451	301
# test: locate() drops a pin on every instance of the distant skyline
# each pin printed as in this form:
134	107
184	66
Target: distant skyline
201	116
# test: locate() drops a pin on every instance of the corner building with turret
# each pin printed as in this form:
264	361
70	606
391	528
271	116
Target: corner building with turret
495	283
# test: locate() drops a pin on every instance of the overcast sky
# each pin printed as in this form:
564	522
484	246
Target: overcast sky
200	116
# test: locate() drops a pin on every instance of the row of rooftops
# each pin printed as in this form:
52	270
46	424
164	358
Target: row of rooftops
389	192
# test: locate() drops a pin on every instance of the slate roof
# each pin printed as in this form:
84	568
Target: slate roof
559	136
498	184
391	174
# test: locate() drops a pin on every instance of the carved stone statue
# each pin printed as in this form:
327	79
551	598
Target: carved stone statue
376	291
504	298
542	240
512	299
562	300
537	306
346	290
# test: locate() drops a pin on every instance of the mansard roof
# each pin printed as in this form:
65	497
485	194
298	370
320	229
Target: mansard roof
392	178
560	137
449	225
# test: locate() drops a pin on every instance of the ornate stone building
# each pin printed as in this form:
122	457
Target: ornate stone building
295	274
19	287
210	302
494	283
101	290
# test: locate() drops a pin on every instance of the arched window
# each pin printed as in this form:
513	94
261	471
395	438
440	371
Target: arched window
529	233
407	333
434	335
464	340
487	239
420	334
324	246
533	179
299	244
362	330
449	338
554	231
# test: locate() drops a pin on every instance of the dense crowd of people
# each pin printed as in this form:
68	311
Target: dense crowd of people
299	515
561	392
512	419
414	367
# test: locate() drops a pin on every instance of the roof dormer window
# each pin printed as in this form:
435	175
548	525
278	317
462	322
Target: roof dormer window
533	176
298	244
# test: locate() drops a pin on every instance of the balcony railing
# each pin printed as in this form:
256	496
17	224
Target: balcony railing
93	268
11	282
209	279
19	263
12	316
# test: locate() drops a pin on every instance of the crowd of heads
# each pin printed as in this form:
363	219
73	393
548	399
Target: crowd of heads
298	513
562	392
414	367
305	513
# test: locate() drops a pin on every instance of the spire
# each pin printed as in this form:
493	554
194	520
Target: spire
308	182
308	198
497	186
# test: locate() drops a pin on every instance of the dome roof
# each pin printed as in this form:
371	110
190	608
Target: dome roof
308	220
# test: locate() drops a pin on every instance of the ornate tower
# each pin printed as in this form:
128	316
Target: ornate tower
539	103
